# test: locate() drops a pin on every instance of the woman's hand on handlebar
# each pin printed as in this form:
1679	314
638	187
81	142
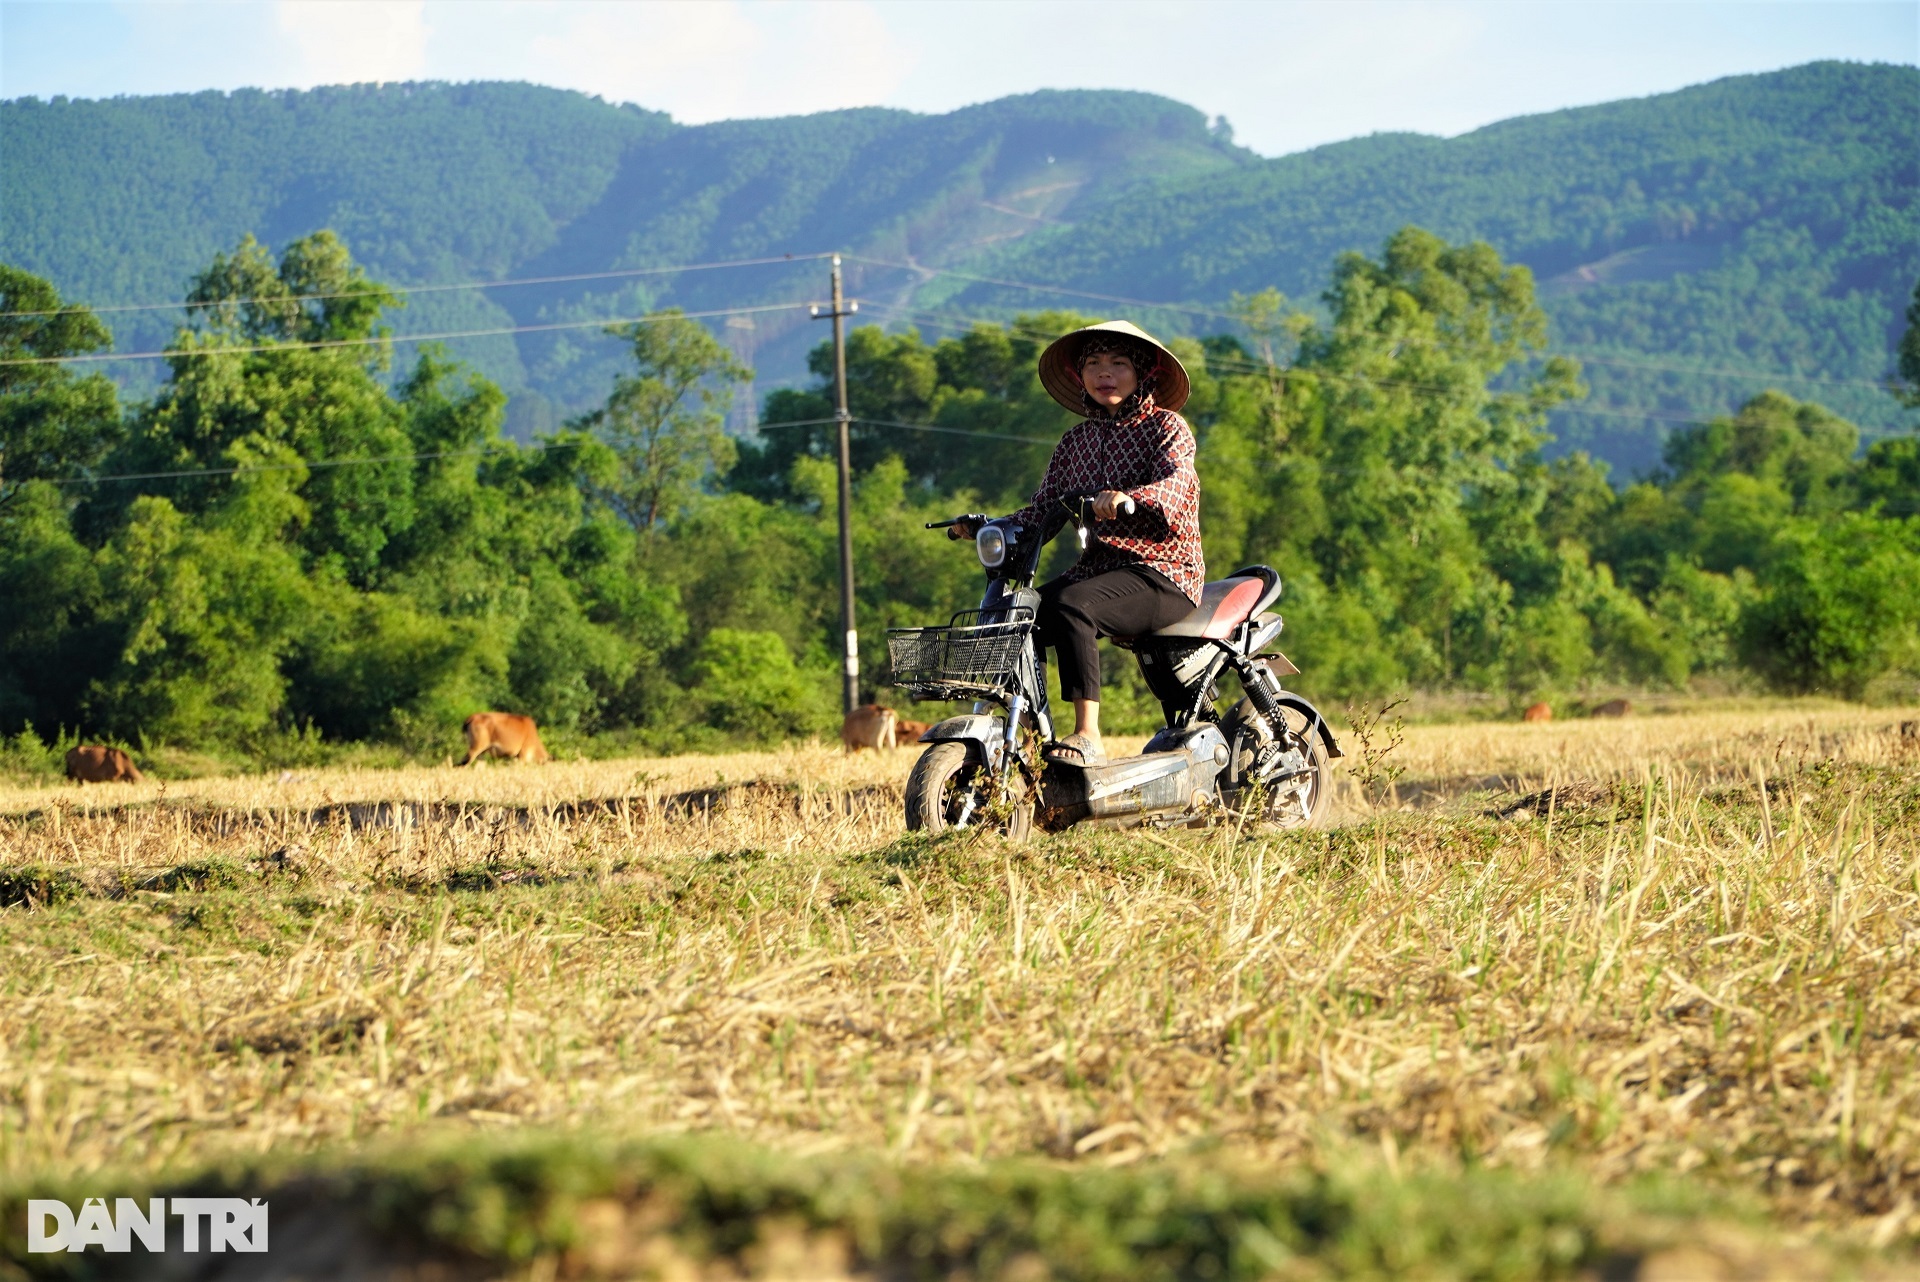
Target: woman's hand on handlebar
1108	504
960	527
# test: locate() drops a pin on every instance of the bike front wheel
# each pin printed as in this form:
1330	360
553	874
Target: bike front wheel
949	789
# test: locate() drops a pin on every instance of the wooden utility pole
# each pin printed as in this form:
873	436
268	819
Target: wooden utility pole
838	312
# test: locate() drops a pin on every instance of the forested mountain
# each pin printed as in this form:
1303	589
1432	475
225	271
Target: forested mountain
123	200
1763	225
1760	223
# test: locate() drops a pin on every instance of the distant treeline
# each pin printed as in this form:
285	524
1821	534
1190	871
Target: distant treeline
292	542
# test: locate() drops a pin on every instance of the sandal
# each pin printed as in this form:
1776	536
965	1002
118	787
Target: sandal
1074	750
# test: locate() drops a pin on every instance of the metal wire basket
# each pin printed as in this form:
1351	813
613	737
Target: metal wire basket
963	660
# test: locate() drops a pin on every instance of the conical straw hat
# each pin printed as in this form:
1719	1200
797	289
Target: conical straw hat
1060	372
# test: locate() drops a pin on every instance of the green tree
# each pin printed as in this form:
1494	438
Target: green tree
1404	381
374	561
1389	470
665	421
376	665
1839	604
53	640
965	414
316	294
250	389
1907	359
54	425
53	422
1727	487
749	686
207	610
1802	450
1889	476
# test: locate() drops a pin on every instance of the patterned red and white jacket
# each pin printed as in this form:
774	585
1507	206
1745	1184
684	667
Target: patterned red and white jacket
1149	457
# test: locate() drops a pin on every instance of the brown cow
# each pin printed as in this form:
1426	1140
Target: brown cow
910	731
93	763
1613	708
869	726
1538	712
504	734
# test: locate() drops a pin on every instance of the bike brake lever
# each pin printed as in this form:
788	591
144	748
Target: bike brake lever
1079	514
1079	511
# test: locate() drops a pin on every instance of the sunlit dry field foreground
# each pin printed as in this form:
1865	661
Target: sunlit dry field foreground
1698	960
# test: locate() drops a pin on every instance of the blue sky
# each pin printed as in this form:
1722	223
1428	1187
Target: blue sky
1288	74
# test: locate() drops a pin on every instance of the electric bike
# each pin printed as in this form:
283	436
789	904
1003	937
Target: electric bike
1264	761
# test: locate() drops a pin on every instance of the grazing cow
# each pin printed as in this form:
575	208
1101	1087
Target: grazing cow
1613	708
504	734
1538	712
93	763
869	726
910	731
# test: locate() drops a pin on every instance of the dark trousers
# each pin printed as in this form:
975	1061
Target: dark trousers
1119	603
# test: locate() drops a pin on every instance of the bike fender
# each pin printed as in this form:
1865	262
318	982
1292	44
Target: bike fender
976	725
1288	699
990	732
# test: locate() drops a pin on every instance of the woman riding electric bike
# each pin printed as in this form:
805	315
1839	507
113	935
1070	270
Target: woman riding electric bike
1143	568
1127	470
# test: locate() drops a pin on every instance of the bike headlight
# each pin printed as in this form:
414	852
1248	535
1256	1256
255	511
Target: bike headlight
991	544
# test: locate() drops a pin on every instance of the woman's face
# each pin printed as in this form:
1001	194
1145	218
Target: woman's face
1109	378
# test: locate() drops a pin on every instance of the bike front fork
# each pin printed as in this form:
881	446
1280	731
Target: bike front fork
999	783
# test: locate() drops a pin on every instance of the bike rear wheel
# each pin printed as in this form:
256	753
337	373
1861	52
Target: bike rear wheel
948	789
1301	801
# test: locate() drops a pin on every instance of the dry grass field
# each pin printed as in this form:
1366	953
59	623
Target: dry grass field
1675	1013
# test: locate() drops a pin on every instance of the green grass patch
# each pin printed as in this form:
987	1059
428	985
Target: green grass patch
597	1207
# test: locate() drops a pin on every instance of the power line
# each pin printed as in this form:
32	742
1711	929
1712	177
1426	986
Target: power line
1041	287
1569	407
1229	364
311	464
427	289
672	269
1254	367
920	427
928	316
1437	391
543	446
333	343
938	320
1319	468
1757	374
1048	289
247	469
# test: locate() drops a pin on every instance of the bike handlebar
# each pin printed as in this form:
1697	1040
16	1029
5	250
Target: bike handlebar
1126	505
1082	503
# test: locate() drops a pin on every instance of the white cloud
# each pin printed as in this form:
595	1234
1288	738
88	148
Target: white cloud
710	60
336	41
1288	73
1292	74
